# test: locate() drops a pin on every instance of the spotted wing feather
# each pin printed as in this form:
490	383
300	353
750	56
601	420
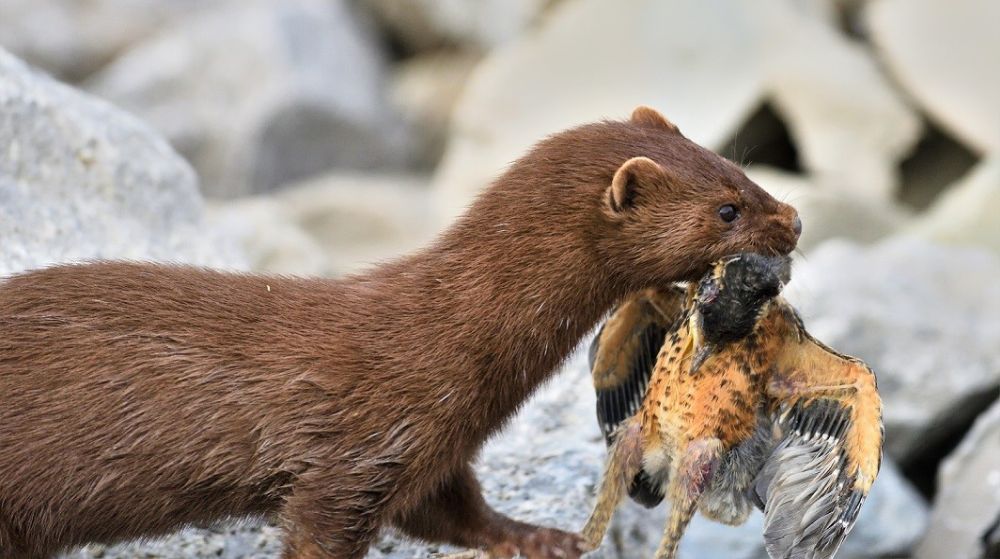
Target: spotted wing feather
622	357
623	354
828	421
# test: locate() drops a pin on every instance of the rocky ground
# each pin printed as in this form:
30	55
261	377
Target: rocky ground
318	136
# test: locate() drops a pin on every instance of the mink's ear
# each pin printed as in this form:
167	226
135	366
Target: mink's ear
630	179
652	118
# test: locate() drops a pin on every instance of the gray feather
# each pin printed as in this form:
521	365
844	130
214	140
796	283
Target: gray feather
809	504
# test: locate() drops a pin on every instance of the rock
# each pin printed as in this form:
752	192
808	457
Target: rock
925	317
826	213
967	505
597	59
331	225
956	77
965	214
72	39
260	93
223	542
425	24
890	523
424	91
850	126
80	179
273	241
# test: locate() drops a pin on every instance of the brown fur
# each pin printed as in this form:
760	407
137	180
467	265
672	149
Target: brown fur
137	398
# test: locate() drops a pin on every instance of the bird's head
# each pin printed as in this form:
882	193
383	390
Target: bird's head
730	298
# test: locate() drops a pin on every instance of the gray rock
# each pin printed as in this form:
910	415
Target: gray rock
967	505
482	24
71	39
827	213
829	91
259	93
925	317
958	86
79	179
330	225
964	214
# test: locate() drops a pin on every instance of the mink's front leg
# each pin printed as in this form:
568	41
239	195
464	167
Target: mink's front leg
458	514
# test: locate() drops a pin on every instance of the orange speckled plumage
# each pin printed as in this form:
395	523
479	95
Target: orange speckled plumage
738	427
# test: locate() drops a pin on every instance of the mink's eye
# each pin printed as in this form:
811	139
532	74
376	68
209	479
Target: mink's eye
729	213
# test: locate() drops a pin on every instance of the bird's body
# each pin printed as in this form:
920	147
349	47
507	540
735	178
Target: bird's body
762	415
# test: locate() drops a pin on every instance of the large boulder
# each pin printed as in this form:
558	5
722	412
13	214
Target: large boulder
424	91
72	39
592	59
80	180
926	317
827	213
256	94
963	215
479	24
330	225
956	76
966	515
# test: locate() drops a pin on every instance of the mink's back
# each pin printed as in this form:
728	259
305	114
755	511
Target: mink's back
194	394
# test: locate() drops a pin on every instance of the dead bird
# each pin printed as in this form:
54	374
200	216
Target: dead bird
718	399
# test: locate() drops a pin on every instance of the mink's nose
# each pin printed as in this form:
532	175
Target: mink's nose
797	226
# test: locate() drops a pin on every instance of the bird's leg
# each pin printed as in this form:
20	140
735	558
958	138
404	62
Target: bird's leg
624	462
691	476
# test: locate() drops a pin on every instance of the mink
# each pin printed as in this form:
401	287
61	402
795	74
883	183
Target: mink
138	398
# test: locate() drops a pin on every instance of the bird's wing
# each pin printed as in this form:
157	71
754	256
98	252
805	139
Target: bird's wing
622	357
828	418
623	353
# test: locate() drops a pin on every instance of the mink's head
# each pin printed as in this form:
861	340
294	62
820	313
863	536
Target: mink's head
730	298
672	207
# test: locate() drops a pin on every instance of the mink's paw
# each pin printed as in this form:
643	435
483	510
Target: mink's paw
543	543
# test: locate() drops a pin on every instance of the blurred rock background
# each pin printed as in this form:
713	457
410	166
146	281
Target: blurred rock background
319	136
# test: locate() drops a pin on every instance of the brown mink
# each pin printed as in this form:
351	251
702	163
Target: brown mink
139	398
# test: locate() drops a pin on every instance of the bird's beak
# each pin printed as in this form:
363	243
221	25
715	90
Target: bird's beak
700	357
701	350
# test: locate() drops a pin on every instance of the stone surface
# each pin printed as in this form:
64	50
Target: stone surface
925	317
424	91
826	213
256	94
331	225
966	213
956	76
423	24
849	125
80	179
72	39
967	505
593	59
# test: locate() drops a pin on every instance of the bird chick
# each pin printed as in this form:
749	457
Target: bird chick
718	399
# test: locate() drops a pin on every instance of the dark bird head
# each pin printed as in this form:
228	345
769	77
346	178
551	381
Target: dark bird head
729	299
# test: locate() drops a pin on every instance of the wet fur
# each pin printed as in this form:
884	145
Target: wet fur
139	398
